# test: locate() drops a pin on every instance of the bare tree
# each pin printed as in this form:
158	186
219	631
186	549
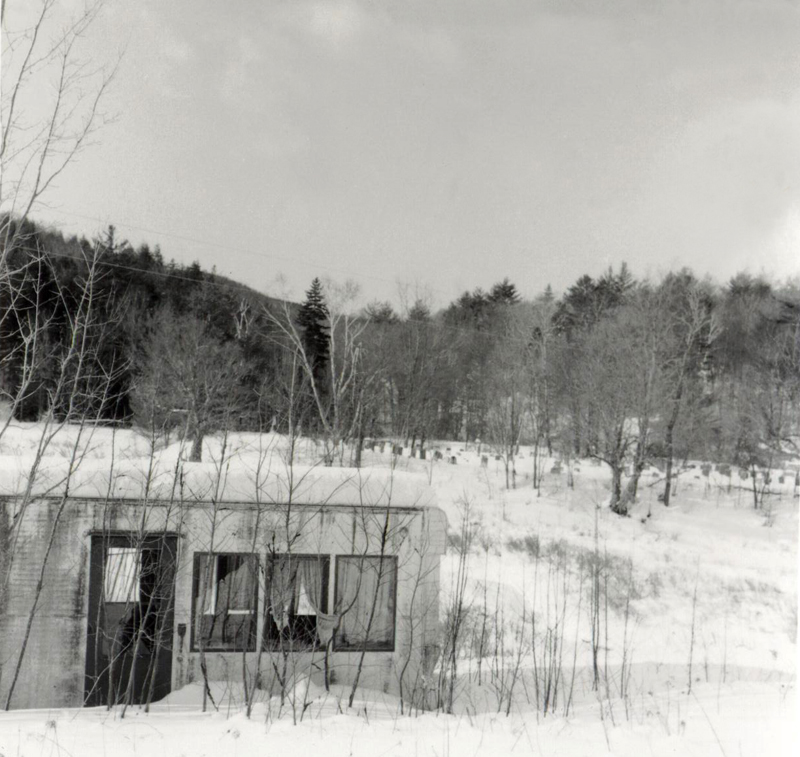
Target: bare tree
640	376
25	321
457	611
605	382
509	389
189	377
536	341
51	99
507	411
335	395
418	364
382	531
51	105
79	395
687	331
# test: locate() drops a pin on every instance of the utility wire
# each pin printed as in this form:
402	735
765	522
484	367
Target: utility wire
251	253
508	338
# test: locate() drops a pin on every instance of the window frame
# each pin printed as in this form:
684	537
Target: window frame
252	635
273	644
369	646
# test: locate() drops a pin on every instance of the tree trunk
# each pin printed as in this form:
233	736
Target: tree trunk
577	434
618	505
669	442
632	488
668	484
196	455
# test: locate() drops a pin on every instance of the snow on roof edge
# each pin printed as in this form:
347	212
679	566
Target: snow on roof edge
236	483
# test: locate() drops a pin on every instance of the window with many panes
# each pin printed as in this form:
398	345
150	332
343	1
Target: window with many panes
366	589
296	601
225	600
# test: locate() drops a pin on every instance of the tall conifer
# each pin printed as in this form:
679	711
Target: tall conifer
312	318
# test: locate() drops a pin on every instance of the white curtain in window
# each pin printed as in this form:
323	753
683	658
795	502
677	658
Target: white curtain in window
206	582
365	598
235	583
312	576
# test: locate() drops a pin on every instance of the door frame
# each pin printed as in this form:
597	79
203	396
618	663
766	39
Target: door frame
96	681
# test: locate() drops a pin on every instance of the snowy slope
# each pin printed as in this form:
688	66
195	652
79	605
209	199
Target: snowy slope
708	580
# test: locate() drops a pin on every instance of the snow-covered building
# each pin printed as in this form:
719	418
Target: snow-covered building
126	587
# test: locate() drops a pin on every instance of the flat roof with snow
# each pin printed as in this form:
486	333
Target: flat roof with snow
235	483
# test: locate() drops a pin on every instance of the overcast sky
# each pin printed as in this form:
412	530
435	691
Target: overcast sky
448	143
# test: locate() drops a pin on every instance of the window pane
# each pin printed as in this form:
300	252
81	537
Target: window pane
121	580
227	620
296	594
228	633
235	583
365	595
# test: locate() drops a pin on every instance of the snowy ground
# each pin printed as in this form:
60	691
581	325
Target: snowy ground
708	579
745	719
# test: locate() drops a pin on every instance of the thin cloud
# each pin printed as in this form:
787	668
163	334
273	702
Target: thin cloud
336	22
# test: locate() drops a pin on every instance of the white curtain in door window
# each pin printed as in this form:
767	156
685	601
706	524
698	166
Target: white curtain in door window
121	579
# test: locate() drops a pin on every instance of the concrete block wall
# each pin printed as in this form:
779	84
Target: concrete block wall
52	673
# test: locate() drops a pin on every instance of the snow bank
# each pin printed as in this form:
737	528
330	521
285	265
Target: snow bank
740	720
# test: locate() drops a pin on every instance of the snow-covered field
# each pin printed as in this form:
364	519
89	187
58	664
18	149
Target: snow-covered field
708	580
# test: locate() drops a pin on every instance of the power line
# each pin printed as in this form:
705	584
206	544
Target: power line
237	286
163	274
252	253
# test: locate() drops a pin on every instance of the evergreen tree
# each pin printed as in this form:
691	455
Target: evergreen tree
470	309
380	313
587	301
504	293
312	318
419	312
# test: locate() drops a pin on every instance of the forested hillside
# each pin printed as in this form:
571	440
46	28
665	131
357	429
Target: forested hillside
91	327
623	370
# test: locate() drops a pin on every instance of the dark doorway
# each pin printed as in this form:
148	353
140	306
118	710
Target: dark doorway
131	608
